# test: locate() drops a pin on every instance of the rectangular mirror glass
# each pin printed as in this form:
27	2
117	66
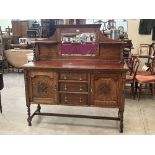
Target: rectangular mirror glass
78	44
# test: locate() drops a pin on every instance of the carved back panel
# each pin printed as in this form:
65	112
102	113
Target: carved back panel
110	52
106	49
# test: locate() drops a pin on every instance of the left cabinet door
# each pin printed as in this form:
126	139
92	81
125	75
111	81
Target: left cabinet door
42	87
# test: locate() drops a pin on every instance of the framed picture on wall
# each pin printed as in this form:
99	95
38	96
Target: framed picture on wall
144	49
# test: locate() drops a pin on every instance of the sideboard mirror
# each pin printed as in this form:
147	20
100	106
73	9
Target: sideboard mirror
78	44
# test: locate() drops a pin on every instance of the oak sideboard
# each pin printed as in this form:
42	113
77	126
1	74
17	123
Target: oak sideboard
77	66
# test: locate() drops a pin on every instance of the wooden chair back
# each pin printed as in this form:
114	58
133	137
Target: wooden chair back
131	64
144	49
136	64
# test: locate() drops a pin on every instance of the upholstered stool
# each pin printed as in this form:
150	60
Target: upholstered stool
1	87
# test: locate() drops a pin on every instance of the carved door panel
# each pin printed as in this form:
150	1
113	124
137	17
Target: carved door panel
43	87
105	89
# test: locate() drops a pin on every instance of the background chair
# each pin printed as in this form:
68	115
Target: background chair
147	52
130	64
131	77
147	80
144	49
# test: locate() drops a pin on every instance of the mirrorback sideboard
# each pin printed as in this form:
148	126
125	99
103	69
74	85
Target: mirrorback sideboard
92	74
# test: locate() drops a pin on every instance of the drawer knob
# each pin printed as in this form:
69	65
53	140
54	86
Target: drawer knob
55	87
65	88
80	78
81	88
66	99
80	99
65	77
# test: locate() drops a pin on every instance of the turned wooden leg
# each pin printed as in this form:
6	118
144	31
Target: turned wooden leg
153	91
132	90
29	119
136	87
38	108
152	88
0	103
120	115
140	90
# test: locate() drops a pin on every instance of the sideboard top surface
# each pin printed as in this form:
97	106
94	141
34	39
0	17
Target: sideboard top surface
75	64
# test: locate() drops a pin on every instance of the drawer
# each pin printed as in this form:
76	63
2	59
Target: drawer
73	99
73	87
73	76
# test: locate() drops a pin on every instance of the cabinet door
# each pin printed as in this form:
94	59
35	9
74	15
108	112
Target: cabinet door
43	87
105	89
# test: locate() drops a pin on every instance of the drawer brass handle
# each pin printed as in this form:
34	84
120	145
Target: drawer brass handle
65	88
66	99
80	78
81	88
65	77
55	87
80	99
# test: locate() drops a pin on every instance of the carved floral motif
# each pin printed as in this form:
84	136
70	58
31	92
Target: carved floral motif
104	88
42	87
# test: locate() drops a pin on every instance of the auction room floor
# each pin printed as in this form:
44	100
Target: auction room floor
138	116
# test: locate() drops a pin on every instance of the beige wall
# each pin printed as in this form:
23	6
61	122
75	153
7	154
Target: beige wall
137	39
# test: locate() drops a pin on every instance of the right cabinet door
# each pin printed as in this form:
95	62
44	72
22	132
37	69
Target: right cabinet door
105	89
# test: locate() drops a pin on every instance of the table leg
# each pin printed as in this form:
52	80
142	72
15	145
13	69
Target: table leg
120	115
38	108
29	119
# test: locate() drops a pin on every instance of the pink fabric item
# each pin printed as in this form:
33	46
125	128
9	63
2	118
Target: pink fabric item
145	79
146	73
78	48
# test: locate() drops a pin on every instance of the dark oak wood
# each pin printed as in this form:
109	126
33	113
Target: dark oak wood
76	80
76	64
76	116
20	27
